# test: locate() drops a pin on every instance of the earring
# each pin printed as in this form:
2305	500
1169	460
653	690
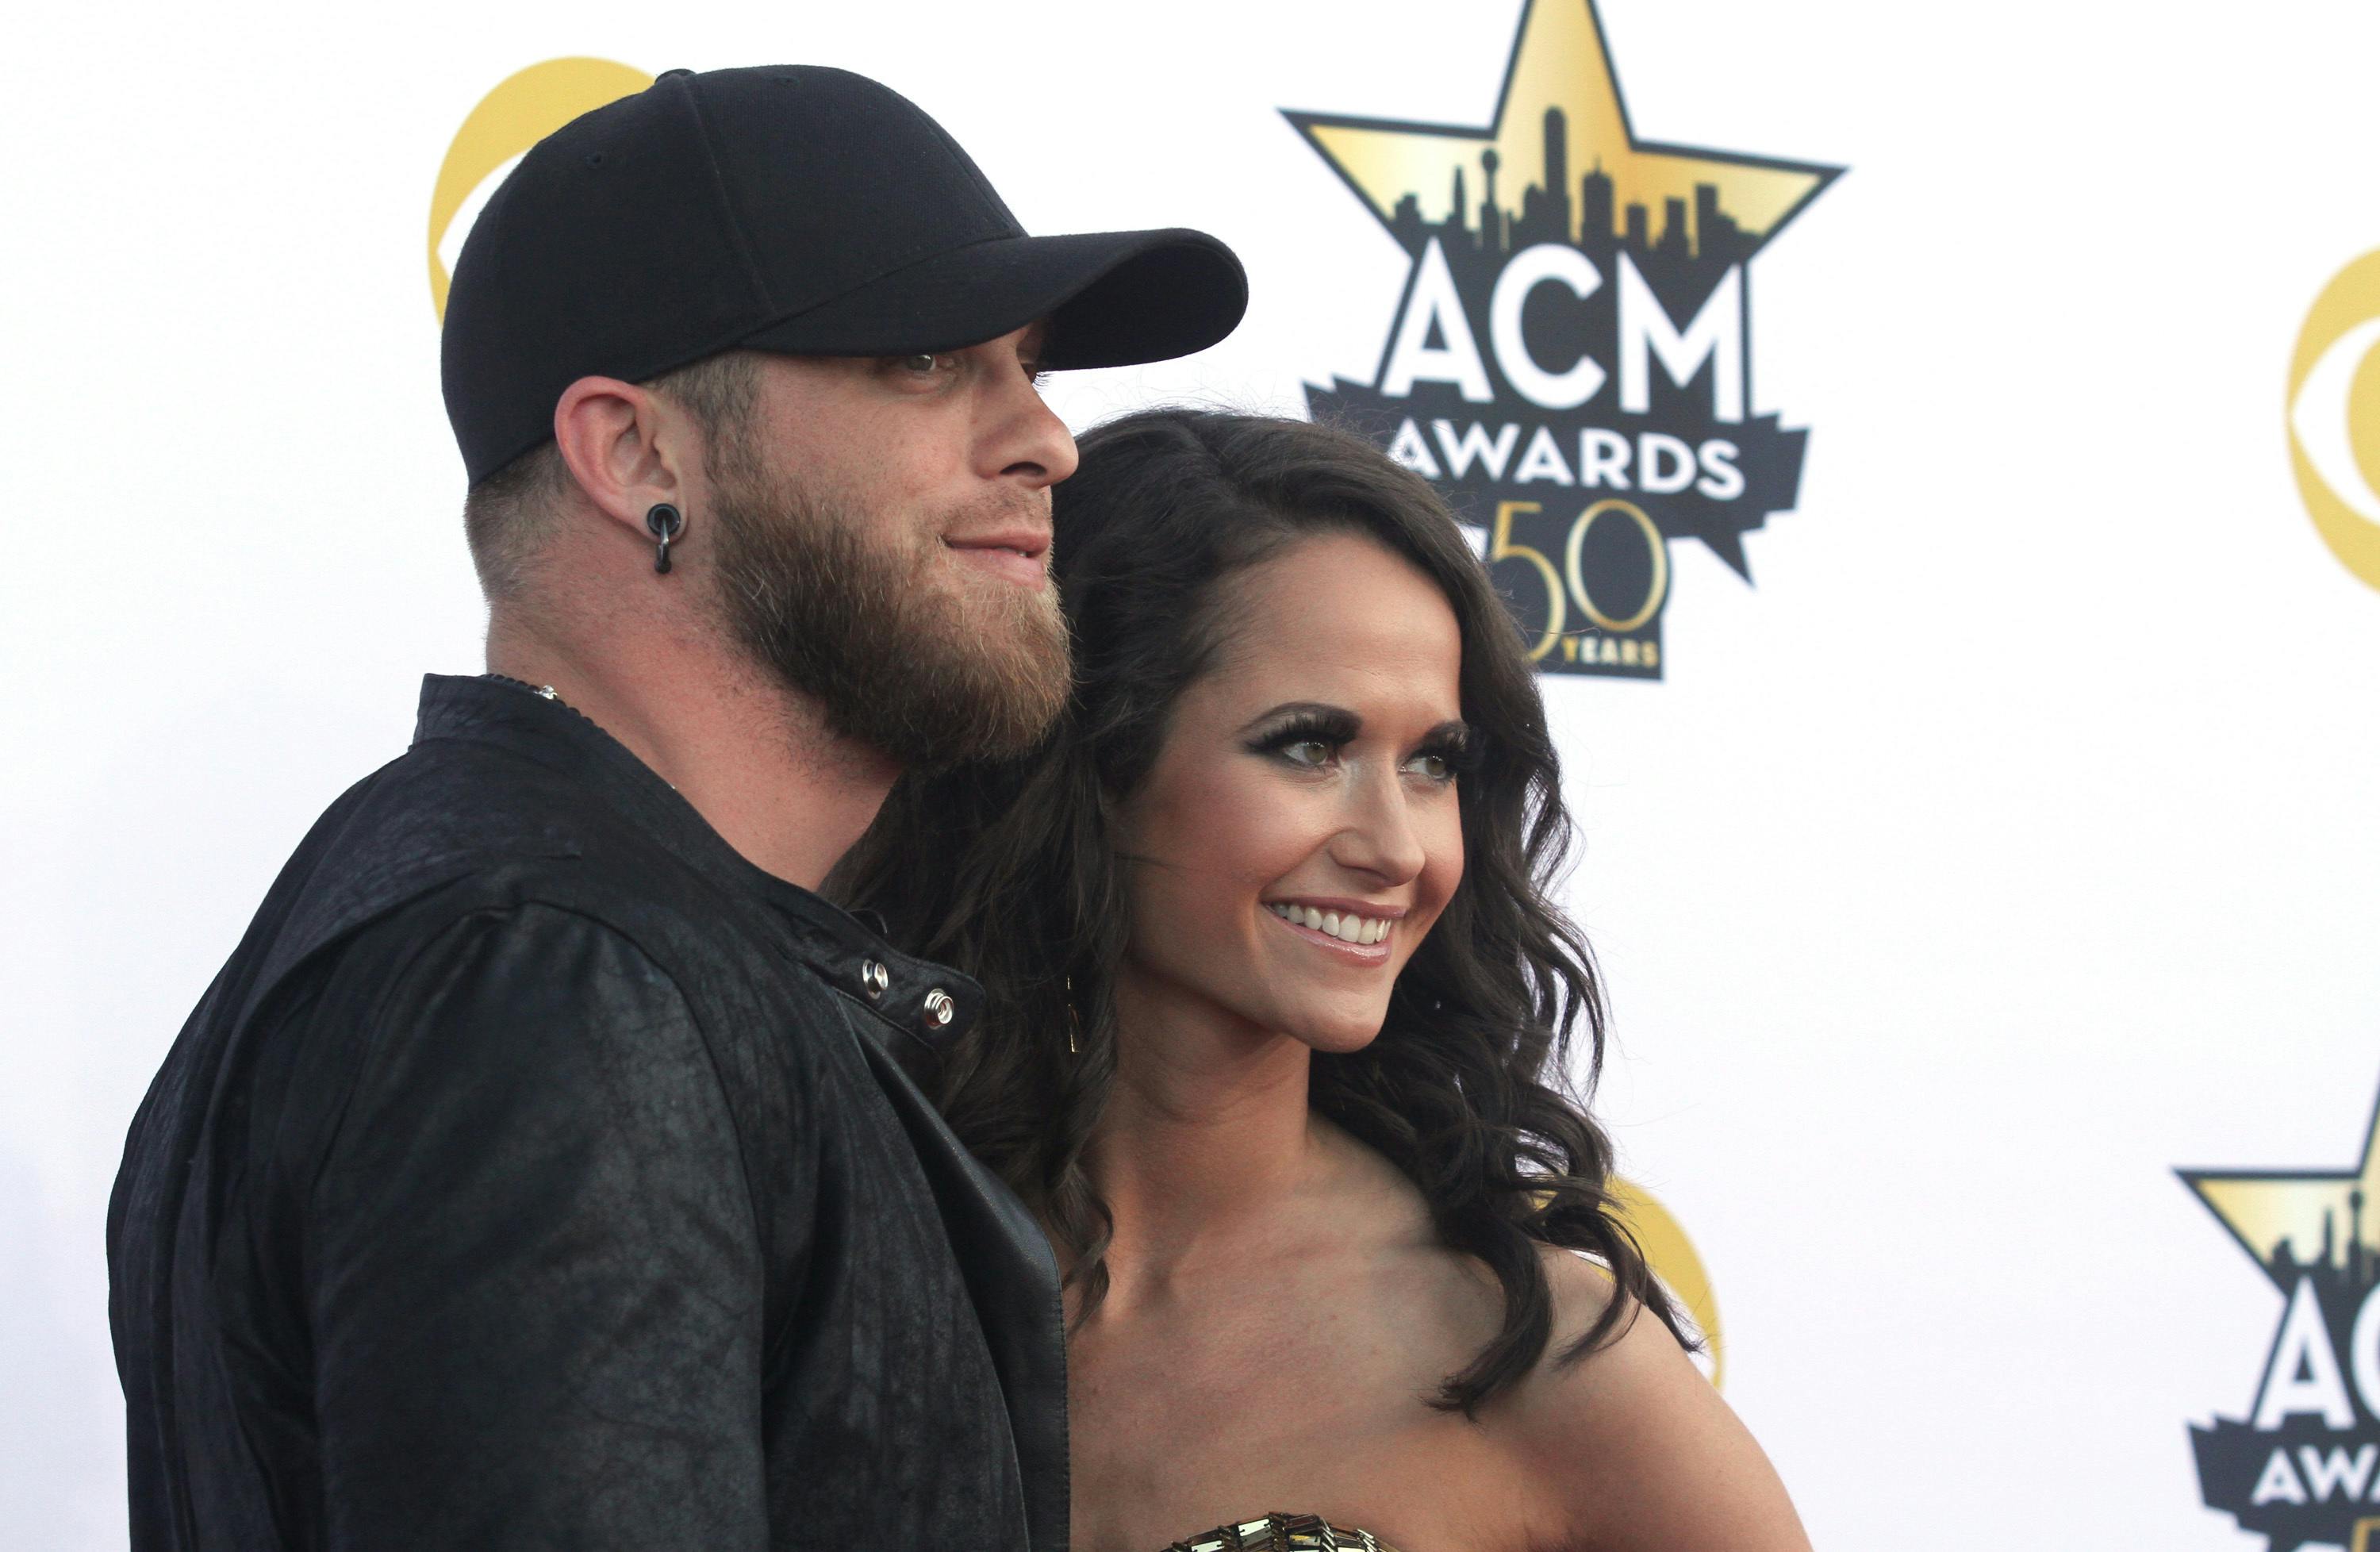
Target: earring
664	522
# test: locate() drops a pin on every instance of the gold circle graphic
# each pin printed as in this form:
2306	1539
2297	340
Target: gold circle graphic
1672	1257
525	108
1655	590
2333	411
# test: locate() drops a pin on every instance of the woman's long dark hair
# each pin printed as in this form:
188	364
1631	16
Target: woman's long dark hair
1006	872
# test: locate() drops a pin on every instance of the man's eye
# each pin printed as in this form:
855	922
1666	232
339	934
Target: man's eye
923	364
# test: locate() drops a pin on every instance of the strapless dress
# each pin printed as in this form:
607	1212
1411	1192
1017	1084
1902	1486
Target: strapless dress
1283	1532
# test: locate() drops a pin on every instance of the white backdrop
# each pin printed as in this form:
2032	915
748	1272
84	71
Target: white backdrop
2010	845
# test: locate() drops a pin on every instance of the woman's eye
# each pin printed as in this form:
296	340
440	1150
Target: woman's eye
1307	751
1437	767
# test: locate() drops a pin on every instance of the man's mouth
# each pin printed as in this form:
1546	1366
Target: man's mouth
1020	556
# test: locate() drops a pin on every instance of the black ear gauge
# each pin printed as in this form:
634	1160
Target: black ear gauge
664	522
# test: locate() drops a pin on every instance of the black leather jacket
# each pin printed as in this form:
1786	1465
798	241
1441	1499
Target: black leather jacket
539	1173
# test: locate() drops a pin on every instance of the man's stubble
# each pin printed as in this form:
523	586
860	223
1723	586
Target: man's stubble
905	652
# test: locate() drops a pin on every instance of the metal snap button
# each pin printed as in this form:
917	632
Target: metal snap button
874	978
940	1008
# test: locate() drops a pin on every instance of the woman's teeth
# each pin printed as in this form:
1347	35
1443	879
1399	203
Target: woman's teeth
1347	929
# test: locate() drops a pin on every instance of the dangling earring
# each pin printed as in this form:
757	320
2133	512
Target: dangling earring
1074	1022
664	522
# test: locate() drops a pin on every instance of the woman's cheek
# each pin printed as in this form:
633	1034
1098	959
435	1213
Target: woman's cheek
1442	872
1276	837
1451	879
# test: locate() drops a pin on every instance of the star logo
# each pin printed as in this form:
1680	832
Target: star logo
1559	64
2304	1467
1577	320
2287	1219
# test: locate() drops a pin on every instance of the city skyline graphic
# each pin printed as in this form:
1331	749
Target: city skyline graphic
1697	232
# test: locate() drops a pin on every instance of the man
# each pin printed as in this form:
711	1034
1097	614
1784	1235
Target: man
542	1169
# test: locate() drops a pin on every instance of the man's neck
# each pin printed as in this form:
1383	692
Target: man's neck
754	757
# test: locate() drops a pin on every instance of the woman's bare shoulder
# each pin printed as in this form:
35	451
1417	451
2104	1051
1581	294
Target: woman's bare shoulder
1639	1449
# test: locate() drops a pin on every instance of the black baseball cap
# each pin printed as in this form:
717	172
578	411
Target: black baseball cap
789	208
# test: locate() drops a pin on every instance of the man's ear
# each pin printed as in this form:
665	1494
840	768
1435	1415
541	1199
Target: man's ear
627	449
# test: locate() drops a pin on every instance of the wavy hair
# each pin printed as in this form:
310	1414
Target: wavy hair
1005	871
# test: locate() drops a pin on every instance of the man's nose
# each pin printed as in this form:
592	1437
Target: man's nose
1025	439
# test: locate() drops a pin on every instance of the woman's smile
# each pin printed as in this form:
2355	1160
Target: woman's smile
1360	935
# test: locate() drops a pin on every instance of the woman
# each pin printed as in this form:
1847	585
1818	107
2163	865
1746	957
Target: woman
1278	1027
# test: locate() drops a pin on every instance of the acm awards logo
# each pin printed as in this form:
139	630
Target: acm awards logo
2334	413
1570	361
2303	1467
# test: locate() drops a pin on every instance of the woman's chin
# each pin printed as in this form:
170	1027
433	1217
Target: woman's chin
1337	1036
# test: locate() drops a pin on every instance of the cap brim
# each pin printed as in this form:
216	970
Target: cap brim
1112	298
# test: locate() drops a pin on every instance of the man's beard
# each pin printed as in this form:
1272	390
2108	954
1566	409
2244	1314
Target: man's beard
837	608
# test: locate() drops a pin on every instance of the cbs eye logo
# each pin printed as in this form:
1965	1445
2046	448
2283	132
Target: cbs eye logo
524	109
2334	412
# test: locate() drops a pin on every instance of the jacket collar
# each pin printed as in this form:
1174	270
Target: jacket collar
929	1003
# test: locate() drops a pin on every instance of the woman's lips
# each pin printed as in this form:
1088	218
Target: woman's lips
1359	953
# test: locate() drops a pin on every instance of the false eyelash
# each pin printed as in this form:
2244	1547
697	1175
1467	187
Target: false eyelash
1319	727
1461	751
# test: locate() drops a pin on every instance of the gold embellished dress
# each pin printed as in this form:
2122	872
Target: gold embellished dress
1283	1532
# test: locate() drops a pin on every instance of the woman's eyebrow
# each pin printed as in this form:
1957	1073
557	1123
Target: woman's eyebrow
1455	728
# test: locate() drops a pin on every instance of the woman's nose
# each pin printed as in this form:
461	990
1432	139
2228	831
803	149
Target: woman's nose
1380	837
